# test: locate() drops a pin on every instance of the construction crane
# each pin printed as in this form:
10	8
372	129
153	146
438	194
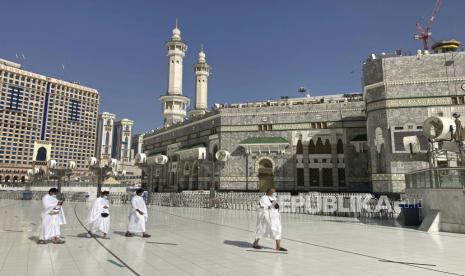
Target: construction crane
425	33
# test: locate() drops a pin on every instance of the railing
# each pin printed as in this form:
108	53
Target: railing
37	195
51	183
358	205
437	178
348	204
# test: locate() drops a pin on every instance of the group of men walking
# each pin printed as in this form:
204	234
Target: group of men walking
98	219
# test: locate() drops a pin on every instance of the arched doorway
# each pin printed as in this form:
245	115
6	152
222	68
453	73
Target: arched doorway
265	174
7	178
23	178
41	154
15	179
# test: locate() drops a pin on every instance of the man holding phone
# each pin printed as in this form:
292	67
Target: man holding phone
52	218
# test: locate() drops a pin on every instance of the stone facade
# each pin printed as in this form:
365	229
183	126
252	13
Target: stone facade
318	134
400	93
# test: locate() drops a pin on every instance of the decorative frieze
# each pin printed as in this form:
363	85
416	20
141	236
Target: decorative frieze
408	102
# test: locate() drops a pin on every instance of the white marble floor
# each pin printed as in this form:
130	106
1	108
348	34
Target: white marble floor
188	241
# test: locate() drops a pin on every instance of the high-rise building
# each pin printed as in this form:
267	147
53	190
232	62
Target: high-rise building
122	140
104	144
137	143
43	118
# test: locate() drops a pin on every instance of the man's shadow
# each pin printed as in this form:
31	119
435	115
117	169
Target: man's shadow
121	233
242	244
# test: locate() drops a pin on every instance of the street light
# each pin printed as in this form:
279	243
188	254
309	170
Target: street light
101	168
60	173
32	176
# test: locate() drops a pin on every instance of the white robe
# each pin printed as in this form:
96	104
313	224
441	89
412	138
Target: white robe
50	226
136	220
97	223
268	220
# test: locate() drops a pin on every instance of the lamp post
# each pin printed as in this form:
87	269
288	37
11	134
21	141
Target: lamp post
60	173
101	168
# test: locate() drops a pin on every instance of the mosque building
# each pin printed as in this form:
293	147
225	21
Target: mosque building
344	142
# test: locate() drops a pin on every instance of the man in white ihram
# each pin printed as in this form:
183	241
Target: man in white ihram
268	220
52	217
138	216
98	218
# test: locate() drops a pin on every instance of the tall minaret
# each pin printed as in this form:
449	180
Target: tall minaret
174	104
202	71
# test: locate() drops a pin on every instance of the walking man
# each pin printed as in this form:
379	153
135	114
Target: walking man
268	220
138	216
98	218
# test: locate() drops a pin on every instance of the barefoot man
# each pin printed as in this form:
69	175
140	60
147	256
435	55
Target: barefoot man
138	215
98	218
52	217
268	220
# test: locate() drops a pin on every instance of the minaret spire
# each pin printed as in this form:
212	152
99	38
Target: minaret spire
174	104
202	72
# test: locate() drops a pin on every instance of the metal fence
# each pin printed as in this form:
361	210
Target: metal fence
436	178
347	204
37	195
361	205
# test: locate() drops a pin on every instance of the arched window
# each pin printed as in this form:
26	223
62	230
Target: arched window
319	148
299	147
23	178
41	154
327	146
340	147
15	179
7	178
311	147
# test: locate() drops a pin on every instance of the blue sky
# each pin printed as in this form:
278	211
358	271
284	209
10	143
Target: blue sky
258	49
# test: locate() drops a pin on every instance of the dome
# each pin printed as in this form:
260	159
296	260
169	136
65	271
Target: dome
176	34
201	56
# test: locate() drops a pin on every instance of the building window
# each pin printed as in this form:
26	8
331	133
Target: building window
299	148
300	177
327	177
341	173
340	147
314	177
74	110
319	148
14	100
266	127
311	147
327	148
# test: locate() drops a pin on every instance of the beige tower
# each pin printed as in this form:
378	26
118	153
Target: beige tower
202	71
174	104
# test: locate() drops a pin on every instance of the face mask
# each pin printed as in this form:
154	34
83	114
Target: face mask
274	194
54	196
105	197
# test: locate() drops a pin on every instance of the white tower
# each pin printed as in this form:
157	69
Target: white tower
202	71
104	135
174	104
